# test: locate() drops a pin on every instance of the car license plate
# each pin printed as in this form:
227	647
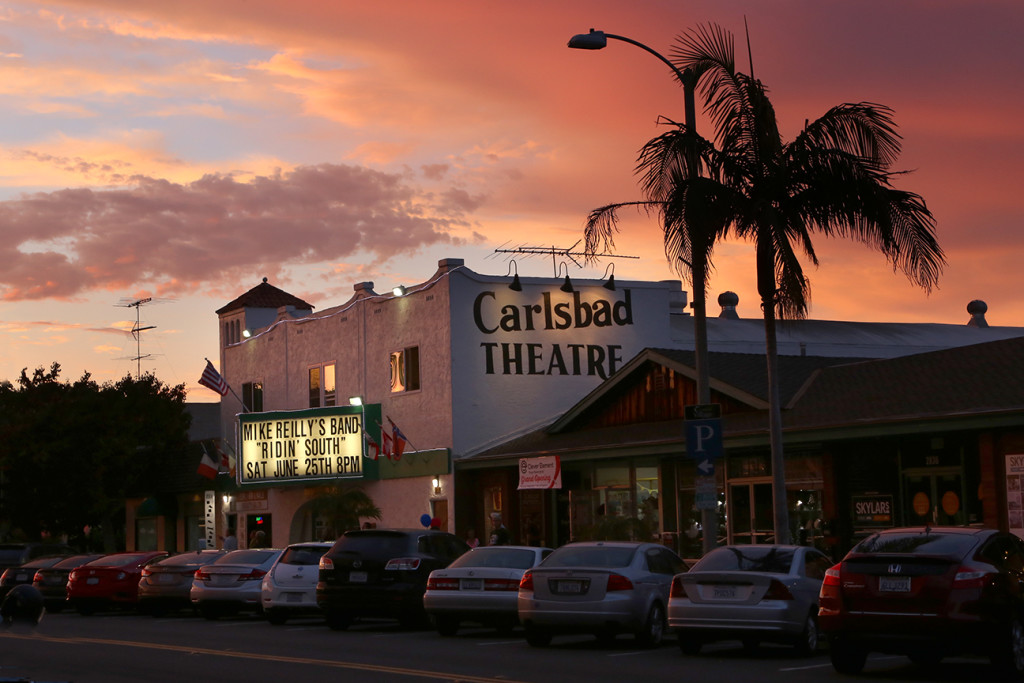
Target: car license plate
724	593
166	579
21	577
293	597
92	581
357	577
472	584
568	587
894	584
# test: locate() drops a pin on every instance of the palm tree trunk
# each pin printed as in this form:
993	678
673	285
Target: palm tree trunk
780	504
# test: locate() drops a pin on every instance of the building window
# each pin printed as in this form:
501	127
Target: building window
322	387
405	369
252	396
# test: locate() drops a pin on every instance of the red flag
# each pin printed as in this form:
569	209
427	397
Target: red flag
372	447
212	379
385	438
226	464
207	466
398	439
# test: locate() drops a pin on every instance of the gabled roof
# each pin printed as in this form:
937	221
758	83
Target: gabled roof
979	382
265	295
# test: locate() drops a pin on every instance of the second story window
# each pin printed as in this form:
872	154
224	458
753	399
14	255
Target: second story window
322	388
405	369
252	396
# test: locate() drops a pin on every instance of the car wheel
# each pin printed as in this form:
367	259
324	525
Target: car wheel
689	645
536	637
847	658
808	643
1010	657
277	617
446	626
85	609
654	627
338	621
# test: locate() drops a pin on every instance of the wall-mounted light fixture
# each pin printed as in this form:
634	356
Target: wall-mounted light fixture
355	400
567	285
516	286
227	499
610	284
246	333
437	486
398	290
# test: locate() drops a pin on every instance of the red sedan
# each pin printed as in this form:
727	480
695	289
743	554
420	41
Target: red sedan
110	581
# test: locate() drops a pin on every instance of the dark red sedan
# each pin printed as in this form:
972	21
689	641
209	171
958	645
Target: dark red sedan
110	581
927	593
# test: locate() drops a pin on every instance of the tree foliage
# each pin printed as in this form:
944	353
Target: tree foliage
341	506
72	452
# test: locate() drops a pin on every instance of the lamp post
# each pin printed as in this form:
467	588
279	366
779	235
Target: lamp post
598	40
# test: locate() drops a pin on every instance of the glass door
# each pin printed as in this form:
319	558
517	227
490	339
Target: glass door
750	512
934	497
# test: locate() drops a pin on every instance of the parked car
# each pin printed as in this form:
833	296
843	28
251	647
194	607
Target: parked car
752	593
600	587
17	554
110	581
232	583
481	586
382	573
927	593
289	588
52	582
166	585
17	576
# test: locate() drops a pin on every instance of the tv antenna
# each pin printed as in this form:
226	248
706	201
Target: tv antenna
138	328
555	252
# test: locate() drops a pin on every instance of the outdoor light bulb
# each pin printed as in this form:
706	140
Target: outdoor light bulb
437	483
246	333
355	400
399	290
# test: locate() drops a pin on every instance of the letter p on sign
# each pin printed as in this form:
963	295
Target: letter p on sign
704	438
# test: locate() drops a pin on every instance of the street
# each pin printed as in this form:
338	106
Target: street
110	648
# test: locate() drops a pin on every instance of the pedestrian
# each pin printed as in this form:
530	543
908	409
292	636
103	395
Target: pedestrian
471	540
499	534
230	542
259	539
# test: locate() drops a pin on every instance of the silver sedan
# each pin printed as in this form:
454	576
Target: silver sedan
751	593
599	587
233	583
481	586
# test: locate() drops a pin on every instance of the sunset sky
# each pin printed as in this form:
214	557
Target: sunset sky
185	150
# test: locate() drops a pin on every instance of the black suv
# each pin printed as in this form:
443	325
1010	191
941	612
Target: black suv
382	573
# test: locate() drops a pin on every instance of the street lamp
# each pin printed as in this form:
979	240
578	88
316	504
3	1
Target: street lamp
598	40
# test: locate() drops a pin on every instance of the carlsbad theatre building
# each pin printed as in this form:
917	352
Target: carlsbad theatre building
559	404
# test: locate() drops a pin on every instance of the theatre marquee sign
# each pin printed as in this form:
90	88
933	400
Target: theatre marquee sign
303	445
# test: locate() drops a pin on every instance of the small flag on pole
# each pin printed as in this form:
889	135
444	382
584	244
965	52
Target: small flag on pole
399	440
227	463
372	447
207	466
213	380
385	439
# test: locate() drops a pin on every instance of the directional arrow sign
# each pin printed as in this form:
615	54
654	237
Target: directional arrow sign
706	468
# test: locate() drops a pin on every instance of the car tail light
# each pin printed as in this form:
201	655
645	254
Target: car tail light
38	576
968	578
146	573
3	577
402	564
442	584
526	584
678	589
777	591
327	563
254	575
73	575
201	575
618	582
501	585
832	576
830	598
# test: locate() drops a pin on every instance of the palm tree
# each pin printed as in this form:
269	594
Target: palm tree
833	178
342	505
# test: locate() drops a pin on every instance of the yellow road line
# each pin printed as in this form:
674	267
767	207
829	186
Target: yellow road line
417	673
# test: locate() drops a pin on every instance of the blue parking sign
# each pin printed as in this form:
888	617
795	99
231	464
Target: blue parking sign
704	438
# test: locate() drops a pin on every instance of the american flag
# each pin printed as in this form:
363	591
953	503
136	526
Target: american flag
212	379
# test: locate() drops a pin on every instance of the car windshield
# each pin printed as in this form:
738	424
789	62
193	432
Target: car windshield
246	557
75	561
189	560
505	558
749	558
918	543
305	555
119	560
41	562
590	556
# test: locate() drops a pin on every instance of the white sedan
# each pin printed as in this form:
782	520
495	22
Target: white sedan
481	586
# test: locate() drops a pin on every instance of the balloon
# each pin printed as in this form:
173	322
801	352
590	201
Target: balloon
425	520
